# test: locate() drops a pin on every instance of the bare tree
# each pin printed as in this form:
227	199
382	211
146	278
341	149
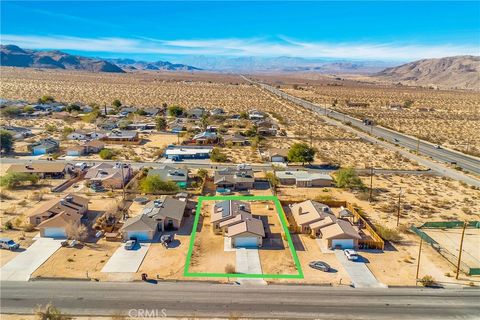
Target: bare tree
77	231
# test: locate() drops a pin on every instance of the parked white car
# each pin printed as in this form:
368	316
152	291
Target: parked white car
351	254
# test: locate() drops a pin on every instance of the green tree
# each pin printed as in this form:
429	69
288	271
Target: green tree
15	179
46	99
92	116
348	178
204	121
202	173
73	107
175	111
154	184
218	156
141	112
107	154
116	103
11	111
28	109
6	141
161	123
301	152
243	115
274	181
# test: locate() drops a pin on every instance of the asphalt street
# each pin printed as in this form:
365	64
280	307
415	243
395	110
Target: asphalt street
466	162
202	299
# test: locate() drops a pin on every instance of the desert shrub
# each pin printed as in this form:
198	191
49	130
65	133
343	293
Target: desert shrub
388	234
8	225
107	154
10	111
229	268
427	281
175	111
348	178
202	173
154	184
6	141
15	179
218	156
51	128
29	227
46	99
50	312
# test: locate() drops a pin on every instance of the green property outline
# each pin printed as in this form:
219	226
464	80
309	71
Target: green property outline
283	220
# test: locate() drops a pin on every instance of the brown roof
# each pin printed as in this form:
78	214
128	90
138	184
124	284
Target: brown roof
277	152
59	205
340	230
329	220
250	225
309	211
95	144
62	219
38	167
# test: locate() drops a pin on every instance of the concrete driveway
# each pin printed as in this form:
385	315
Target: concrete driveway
22	266
359	273
248	262
126	260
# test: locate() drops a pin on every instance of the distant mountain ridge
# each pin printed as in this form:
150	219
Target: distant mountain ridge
130	64
14	56
461	72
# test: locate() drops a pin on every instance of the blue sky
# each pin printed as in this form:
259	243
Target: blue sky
154	30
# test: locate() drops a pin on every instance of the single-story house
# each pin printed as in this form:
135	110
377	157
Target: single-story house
304	178
217	112
88	147
266	128
205	137
140	227
234	178
121	136
109	175
233	218
340	234
152	112
84	135
141	126
187	152
167	212
168	173
235	139
54	216
44	146
53	170
277	155
256	115
196	112
311	217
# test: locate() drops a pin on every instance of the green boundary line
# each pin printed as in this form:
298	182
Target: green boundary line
283	219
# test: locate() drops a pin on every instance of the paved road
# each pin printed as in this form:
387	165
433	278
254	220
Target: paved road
22	266
466	162
210	300
201	164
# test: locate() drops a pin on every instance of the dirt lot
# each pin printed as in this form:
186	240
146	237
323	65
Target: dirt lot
82	263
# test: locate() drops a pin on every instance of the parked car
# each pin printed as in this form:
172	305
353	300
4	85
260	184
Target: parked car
320	265
166	239
351	254
9	244
396	140
437	146
130	244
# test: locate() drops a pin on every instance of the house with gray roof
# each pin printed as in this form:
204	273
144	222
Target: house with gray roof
239	178
141	228
166	211
304	178
169	173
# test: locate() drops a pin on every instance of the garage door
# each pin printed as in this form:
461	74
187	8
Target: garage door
246	242
343	243
278	159
139	235
55	233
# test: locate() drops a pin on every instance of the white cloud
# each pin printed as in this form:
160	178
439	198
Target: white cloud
257	47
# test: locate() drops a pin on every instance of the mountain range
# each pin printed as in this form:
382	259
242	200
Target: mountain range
460	72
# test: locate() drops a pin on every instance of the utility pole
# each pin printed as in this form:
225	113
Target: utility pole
399	203
418	260
461	249
371	185
123	182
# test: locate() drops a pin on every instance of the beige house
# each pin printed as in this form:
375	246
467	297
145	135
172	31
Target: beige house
317	219
56	215
140	227
234	219
304	179
52	170
109	175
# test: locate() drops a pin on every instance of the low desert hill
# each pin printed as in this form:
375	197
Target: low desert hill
460	72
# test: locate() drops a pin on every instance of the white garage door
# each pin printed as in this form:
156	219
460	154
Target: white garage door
139	235
343	243
55	233
278	159
246	242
